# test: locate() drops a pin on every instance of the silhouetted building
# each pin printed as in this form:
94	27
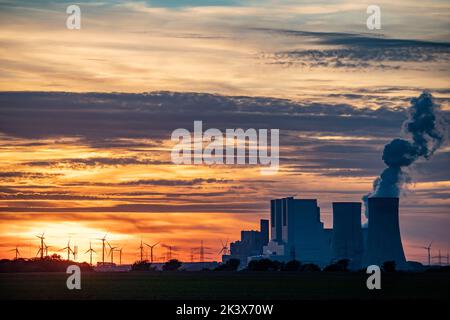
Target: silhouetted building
347	240
264	229
275	219
251	244
297	231
383	240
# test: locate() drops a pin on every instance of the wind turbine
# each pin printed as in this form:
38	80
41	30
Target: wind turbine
69	250
103	247
90	252
224	249
111	251
142	251
151	250
41	248
429	252
46	249
16	250
75	252
120	256
428	248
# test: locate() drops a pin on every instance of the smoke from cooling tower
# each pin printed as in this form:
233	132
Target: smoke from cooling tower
426	127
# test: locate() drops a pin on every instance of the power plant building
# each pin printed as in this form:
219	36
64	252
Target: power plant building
347	239
250	244
296	232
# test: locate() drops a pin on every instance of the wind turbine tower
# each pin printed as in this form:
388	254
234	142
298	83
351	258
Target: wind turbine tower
103	248
46	249
90	253
69	250
224	248
111	251
151	250
16	251
41	248
429	252
141	248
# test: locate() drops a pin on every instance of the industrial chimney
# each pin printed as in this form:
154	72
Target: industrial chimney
347	241
383	241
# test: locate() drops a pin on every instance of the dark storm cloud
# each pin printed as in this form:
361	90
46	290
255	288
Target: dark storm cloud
359	40
163	182
25	175
207	207
80	163
358	51
152	182
134	121
101	118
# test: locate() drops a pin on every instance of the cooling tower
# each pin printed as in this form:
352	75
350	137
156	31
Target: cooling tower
347	241
383	240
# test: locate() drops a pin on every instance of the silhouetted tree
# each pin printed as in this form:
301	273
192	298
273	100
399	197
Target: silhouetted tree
172	265
309	267
55	256
142	266
293	265
230	265
264	265
389	266
339	266
48	264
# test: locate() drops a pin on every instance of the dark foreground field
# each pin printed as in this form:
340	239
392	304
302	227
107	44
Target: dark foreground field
218	285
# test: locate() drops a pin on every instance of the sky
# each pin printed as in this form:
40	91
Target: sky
86	117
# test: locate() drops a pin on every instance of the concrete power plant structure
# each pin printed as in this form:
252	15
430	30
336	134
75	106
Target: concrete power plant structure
298	233
251	243
383	241
347	237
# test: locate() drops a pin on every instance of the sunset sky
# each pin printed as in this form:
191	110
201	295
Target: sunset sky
86	117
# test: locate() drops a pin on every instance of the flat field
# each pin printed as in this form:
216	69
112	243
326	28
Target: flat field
224	285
